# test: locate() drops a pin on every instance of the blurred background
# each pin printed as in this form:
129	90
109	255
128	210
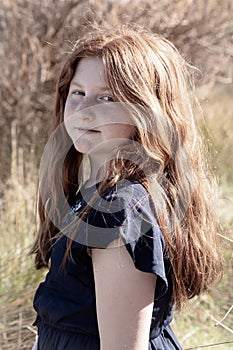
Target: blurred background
35	38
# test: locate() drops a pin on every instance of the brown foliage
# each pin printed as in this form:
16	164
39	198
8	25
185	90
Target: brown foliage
37	34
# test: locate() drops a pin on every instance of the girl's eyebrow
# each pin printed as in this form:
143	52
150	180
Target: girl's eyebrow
102	88
75	83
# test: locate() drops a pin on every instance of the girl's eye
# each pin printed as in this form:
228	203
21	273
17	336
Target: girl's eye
78	93
107	98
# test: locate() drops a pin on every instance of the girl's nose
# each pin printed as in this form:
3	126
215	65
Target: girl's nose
86	110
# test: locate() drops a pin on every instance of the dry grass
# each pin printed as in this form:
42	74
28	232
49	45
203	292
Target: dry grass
17	274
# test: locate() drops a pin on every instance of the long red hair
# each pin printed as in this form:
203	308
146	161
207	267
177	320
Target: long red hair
145	70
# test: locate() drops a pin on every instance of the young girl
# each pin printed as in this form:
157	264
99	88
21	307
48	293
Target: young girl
126	222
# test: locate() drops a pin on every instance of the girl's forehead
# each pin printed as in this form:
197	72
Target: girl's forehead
89	69
90	61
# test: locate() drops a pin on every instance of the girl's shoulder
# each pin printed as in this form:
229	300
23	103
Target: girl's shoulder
126	190
123	209
125	200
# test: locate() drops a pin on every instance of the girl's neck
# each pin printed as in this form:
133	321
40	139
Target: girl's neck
97	171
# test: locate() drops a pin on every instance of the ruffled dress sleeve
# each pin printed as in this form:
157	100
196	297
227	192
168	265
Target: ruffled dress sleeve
126	211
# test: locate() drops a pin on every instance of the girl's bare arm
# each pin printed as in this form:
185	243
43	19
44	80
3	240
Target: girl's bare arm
124	299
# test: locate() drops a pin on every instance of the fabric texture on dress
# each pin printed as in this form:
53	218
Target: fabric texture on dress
65	301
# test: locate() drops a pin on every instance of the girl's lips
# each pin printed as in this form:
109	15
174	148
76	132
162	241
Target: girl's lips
87	130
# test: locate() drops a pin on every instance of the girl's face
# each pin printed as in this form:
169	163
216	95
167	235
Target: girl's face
94	121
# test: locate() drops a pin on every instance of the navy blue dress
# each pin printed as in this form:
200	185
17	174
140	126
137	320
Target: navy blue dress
65	302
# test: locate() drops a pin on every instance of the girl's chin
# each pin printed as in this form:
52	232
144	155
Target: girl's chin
84	147
87	147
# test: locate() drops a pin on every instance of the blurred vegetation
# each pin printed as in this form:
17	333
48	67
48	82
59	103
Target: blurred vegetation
35	37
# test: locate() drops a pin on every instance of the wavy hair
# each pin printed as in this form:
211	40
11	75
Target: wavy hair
145	71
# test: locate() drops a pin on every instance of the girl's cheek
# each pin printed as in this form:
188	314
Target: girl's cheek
69	108
68	112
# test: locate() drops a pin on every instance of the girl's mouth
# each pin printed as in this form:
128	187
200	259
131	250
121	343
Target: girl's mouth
88	130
